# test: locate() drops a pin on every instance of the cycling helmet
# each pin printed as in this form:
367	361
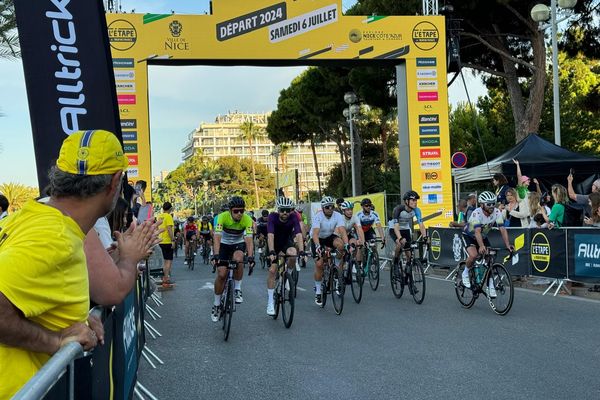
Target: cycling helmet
225	207
264	213
347	205
205	218
284	202
486	197
190	219
366	202
411	195
327	201
237	201
339	201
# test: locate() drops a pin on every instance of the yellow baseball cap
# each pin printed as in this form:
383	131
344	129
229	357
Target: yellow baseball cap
96	152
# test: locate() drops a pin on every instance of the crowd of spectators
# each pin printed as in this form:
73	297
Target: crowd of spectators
59	256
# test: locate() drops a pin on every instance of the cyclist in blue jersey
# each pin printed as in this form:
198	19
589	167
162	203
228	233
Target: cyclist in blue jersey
475	234
403	218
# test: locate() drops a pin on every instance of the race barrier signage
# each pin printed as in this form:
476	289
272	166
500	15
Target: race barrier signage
125	357
68	73
565	253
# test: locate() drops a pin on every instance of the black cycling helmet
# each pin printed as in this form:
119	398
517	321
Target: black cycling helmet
264	213
366	202
225	207
339	201
190	219
205	218
411	195
237	202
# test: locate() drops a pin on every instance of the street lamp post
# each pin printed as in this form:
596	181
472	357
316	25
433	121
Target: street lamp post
542	13
350	98
275	153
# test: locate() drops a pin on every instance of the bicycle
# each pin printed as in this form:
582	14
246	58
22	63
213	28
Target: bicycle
283	295
263	258
355	274
228	307
205	253
191	257
296	273
408	271
485	271
332	282
371	263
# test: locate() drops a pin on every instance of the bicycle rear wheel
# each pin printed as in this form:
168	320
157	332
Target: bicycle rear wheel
396	281
295	277
464	295
286	299
374	270
500	277
356	279
228	309
325	286
417	281
338	287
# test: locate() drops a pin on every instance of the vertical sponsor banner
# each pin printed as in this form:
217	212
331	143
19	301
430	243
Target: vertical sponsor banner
428	122
547	253
68	74
584	254
125	357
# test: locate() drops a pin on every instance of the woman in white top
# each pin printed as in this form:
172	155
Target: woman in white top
516	212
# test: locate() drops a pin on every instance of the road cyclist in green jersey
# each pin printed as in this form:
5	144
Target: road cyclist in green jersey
233	237
475	233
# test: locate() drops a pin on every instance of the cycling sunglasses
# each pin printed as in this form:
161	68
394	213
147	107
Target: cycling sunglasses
489	204
327	207
285	210
237	210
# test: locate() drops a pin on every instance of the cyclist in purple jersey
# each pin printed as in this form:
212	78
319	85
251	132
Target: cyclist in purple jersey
283	227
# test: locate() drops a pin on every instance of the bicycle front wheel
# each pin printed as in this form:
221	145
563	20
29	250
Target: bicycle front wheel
502	288
396	281
356	279
286	298
464	295
417	281
338	287
228	310
374	270
295	277
277	298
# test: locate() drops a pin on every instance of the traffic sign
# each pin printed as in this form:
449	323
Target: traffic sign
459	159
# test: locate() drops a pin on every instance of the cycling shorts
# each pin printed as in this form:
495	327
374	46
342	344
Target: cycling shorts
404	234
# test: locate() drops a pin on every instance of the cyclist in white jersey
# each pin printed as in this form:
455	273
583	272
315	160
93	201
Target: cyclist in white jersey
475	233
403	217
368	217
356	236
327	230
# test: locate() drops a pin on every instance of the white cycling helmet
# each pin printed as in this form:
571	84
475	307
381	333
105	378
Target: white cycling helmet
347	205
327	201
284	202
487	197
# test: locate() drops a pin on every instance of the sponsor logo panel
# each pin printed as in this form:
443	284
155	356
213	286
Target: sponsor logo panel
429	130
426	62
427	96
124	75
133	159
587	255
429	141
429	119
130	148
125	87
431	187
433	198
128	123
122	35
431	164
123	62
425	35
130	136
430	153
133	172
540	252
126	99
436	245
431	176
427	84
426	73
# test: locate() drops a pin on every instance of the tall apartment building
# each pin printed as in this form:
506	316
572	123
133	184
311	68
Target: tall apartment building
222	138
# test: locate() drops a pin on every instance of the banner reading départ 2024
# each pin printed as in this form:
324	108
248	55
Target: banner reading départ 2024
262	32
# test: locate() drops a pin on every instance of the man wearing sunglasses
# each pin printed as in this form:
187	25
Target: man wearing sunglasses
403	217
233	237
283	227
475	234
368	217
328	229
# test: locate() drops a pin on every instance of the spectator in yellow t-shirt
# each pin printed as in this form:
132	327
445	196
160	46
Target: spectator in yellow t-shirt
44	289
167	243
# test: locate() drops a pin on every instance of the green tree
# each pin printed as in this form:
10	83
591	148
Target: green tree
251	132
17	194
9	41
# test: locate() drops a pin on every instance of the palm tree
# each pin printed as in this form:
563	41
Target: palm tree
285	149
250	132
9	41
17	194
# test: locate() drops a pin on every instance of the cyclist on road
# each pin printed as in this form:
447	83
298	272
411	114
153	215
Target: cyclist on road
475	234
356	236
368	217
283	228
233	237
403	216
261	230
190	231
327	230
206	231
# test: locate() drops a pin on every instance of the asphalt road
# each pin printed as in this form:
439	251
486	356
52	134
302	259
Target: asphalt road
383	348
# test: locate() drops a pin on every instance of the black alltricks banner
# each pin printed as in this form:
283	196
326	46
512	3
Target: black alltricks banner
68	73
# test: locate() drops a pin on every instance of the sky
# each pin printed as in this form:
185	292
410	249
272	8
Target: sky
180	99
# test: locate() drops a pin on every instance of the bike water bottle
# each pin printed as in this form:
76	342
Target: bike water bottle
479	270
